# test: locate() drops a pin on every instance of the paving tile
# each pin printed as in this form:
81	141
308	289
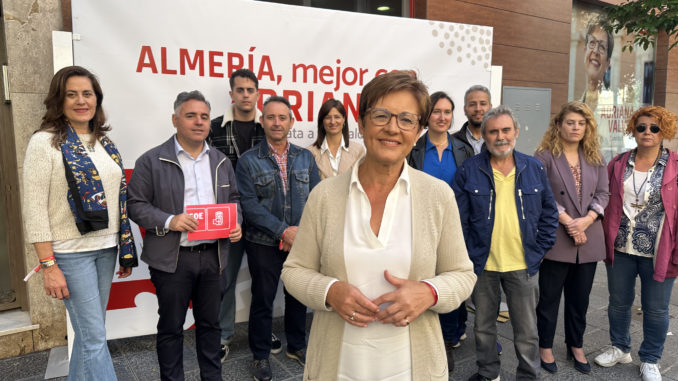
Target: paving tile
24	366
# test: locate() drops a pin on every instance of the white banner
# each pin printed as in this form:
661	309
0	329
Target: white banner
147	52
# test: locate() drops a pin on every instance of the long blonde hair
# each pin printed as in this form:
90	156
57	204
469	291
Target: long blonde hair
590	144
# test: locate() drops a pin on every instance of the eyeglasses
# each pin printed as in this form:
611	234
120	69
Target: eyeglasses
594	43
406	121
642	127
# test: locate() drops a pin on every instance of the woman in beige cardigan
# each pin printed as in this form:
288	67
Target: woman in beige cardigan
333	152
380	252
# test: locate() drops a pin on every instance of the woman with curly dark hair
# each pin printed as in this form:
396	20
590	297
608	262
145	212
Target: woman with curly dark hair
75	213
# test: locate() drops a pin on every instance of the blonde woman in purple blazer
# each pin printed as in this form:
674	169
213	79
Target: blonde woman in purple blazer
570	152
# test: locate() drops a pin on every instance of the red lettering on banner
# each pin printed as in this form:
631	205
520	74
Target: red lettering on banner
197	62
327	96
305	69
329	76
232	66
294	104
352	108
310	107
380	72
263	94
214	64
163	62
326	75
250	59
265	68
146	60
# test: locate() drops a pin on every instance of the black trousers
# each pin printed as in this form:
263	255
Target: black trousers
265	264
196	279
576	279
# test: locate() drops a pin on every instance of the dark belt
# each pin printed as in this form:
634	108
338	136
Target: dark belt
201	247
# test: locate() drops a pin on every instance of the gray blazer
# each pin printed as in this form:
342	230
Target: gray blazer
595	195
156	191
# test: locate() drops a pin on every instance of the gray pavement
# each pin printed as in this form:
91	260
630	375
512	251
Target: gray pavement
135	358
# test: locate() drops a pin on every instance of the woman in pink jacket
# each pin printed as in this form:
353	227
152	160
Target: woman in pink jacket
640	226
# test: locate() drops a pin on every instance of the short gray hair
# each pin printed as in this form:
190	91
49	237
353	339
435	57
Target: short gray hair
497	112
186	96
279	99
478	88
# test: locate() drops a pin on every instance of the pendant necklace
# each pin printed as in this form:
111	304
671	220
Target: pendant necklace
637	205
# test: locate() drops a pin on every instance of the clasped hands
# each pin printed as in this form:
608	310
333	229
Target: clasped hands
576	228
409	300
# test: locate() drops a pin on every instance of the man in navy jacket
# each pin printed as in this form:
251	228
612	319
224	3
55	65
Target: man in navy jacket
505	196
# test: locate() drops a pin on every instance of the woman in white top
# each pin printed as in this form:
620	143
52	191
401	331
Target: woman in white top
380	251
334	153
75	213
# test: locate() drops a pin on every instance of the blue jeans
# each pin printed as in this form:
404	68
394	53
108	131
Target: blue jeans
453	324
654	300
88	276
522	293
230	277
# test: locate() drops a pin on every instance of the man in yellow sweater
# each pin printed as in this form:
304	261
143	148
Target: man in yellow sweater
505	195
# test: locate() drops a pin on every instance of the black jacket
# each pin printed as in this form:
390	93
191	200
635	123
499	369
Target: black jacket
461	135
460	150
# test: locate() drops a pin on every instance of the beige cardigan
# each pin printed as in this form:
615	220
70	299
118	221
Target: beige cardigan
355	152
439	255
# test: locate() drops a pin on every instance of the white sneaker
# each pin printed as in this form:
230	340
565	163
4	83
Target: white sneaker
650	372
612	356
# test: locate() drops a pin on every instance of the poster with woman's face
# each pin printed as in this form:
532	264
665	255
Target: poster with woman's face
614	84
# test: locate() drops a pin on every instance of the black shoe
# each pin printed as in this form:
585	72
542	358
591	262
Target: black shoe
449	347
550	367
478	377
299	355
276	345
583	367
223	352
261	370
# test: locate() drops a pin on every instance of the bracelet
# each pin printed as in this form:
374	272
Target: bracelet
282	239
47	263
433	291
50	258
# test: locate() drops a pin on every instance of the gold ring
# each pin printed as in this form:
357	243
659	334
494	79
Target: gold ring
352	317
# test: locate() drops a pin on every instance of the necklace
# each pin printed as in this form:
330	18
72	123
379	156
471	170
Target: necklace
637	205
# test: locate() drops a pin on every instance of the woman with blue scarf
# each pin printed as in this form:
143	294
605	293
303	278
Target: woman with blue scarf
75	210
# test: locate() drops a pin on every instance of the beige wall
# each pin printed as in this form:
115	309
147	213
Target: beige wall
28	30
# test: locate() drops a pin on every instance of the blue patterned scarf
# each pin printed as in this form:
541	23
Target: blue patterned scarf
86	195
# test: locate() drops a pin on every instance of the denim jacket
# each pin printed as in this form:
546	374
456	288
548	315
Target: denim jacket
537	213
267	210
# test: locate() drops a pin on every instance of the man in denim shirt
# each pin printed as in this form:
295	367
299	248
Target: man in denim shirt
274	179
